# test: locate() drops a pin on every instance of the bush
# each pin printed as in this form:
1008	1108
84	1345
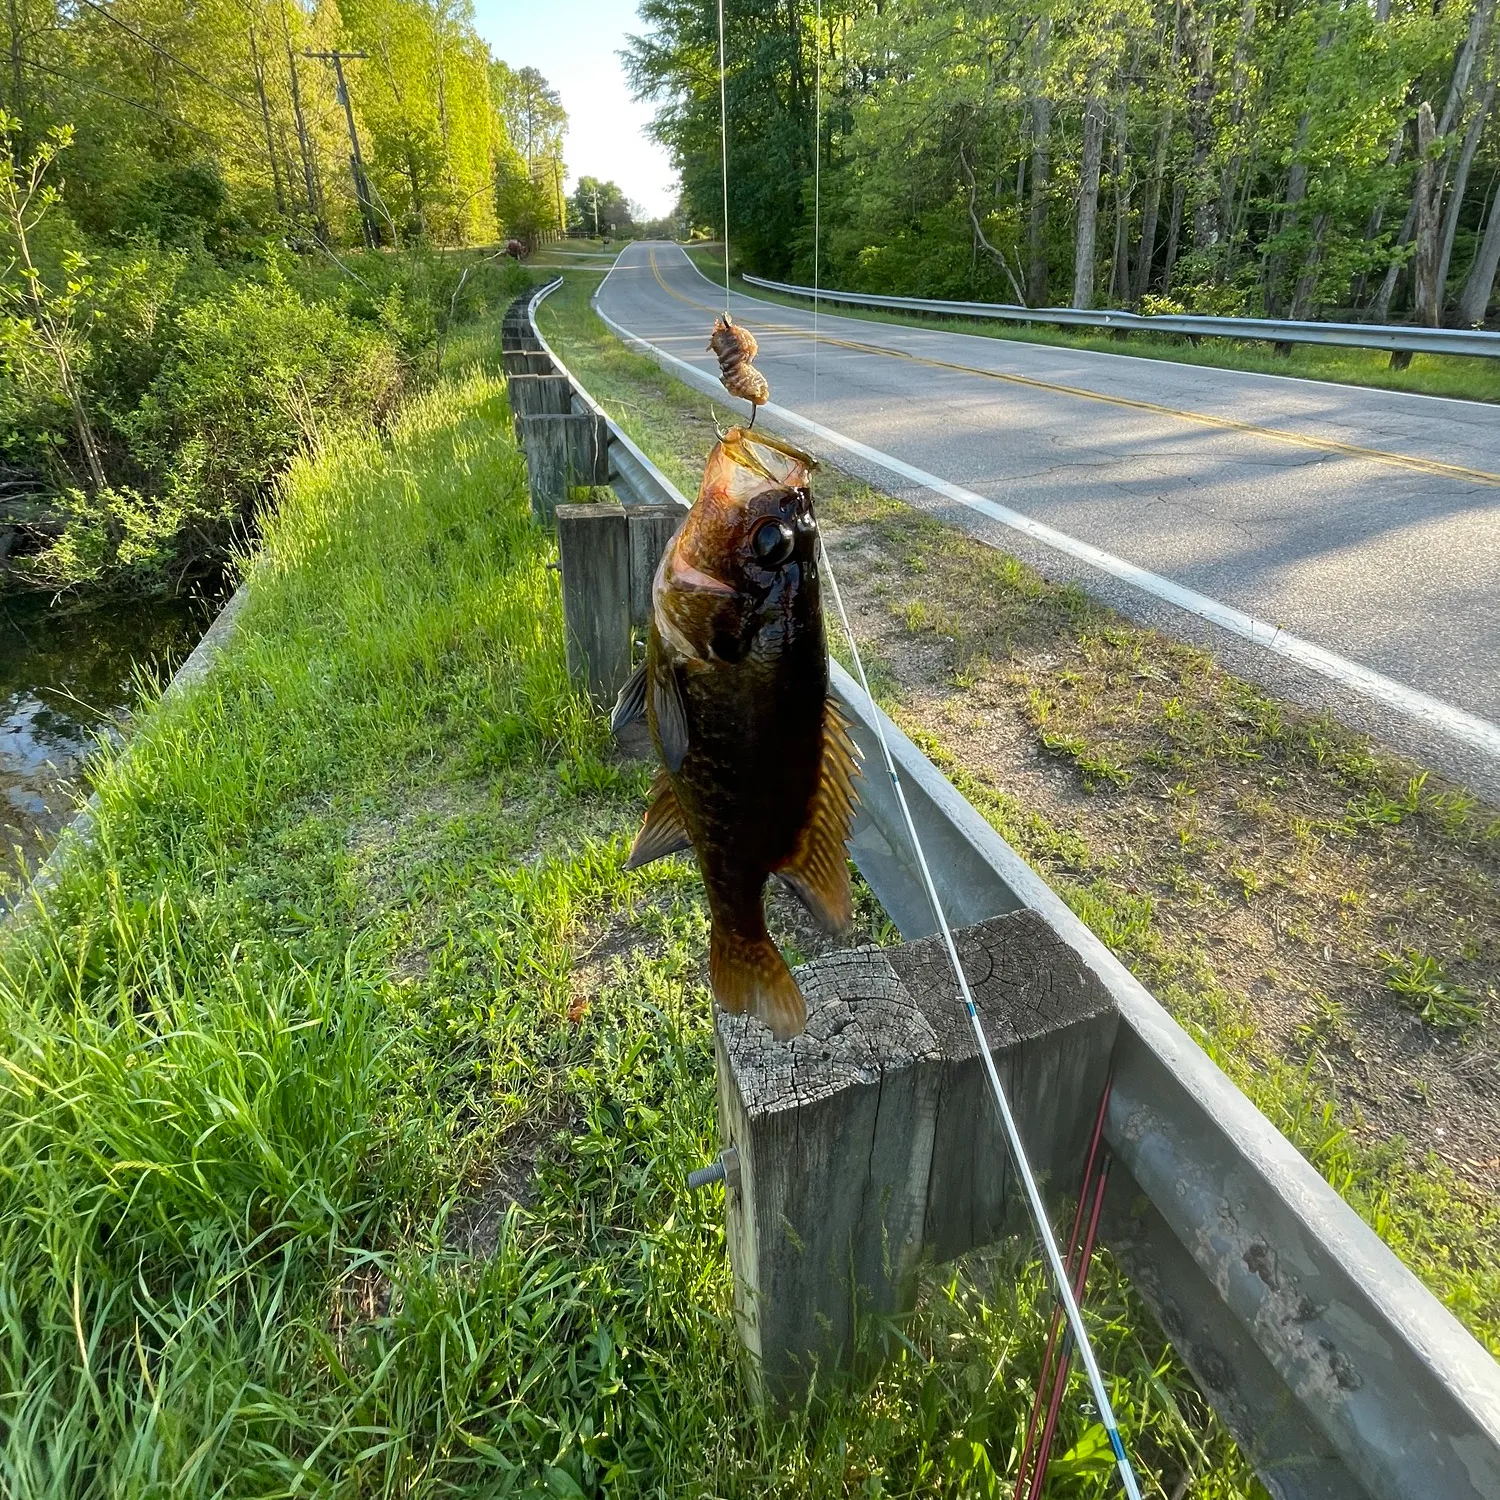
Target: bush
256	376
253	377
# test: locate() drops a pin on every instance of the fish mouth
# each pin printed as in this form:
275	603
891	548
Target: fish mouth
739	444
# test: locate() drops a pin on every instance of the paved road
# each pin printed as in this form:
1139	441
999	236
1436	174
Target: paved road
1365	522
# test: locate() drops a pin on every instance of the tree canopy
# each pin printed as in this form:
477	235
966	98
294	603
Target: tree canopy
202	121
1294	158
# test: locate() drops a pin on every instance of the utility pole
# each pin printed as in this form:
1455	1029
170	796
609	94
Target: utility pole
356	160
596	211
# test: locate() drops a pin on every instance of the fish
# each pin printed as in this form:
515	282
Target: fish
758	768
735	348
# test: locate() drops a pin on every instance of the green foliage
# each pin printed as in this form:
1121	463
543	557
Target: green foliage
1250	158
253	378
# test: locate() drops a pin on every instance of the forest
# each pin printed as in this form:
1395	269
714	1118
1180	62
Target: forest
228	230
1283	158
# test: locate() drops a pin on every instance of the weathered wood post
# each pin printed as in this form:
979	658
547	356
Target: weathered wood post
593	546
536	395
651	528
563	449
870	1144
524	362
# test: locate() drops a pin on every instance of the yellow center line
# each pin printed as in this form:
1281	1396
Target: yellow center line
1224	424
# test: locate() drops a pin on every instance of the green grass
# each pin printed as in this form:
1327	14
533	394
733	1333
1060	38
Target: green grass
1428	374
347	1082
1196	771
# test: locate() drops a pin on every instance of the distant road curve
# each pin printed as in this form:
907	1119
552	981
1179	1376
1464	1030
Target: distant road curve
1337	543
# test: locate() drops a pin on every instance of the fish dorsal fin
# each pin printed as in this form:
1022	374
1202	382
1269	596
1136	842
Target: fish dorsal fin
664	830
818	870
671	717
631	704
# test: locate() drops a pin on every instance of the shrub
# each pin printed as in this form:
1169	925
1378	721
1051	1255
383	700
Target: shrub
256	376
253	377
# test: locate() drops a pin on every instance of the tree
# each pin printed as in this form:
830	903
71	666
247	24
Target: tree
600	208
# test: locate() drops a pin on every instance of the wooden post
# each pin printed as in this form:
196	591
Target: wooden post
545	440
523	362
532	395
651	528
593	548
871	1143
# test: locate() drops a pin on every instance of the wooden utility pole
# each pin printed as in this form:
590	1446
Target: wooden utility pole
356	159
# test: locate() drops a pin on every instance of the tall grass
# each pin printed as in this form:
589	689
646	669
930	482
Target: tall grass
347	1082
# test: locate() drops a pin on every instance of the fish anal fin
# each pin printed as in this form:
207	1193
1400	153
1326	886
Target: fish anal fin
749	976
664	830
671	718
631	704
818	870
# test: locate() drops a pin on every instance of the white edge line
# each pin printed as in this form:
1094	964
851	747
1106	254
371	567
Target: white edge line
1466	728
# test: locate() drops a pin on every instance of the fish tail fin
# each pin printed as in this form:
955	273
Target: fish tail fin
749	974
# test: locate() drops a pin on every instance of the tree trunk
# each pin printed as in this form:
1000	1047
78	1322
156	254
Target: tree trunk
1460	187
265	115
1151	208
1307	281
1088	203
1200	127
1238	79
978	229
1481	279
309	170
1041	126
1119	276
1174	234
1429	295
1430	180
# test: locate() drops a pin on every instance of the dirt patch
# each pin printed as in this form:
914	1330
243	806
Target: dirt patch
1275	879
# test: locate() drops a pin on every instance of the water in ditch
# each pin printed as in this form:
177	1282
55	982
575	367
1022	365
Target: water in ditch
66	678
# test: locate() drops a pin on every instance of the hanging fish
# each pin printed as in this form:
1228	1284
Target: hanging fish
735	348
757	764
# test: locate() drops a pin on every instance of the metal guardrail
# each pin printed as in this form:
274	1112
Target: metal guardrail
1395	337
1339	1373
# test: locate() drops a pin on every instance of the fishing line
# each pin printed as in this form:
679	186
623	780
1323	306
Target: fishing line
997	1089
817	175
724	155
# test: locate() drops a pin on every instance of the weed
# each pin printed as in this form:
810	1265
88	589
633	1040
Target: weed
1420	981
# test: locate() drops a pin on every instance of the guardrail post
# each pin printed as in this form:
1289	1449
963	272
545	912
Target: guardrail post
870	1143
593	547
535	395
523	362
651	528
563	449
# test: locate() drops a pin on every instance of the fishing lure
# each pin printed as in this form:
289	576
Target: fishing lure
735	348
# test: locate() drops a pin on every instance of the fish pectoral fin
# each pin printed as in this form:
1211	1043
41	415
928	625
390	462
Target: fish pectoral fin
750	975
671	717
818	870
631	704
664	830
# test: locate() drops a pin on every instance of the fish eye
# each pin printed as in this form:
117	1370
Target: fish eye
772	542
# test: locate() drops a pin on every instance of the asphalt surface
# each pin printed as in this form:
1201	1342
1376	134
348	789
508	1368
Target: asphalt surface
1366	522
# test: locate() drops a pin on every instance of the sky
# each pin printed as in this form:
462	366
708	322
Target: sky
573	43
